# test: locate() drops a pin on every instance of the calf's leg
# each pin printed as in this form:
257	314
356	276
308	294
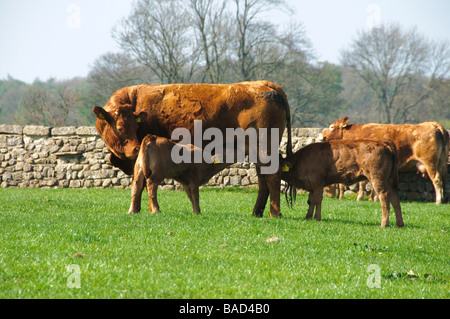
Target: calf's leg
317	199
193	193
152	189
137	187
274	184
395	201
341	191
362	187
311	205
383	194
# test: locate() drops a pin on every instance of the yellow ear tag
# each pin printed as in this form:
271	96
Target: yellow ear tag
285	168
138	120
216	159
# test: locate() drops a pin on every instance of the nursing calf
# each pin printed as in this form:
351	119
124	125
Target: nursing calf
347	161
154	163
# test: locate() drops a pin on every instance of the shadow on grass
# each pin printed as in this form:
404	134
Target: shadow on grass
392	223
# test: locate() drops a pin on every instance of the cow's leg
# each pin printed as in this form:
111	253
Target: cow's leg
193	194
362	188
383	194
385	207
152	189
341	191
274	185
263	194
438	187
435	177
310	202
137	186
373	195
317	200
395	201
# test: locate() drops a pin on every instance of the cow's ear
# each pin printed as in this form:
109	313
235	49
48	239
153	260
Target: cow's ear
286	166
101	113
141	117
344	123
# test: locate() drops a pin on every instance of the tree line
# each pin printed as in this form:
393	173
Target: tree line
388	74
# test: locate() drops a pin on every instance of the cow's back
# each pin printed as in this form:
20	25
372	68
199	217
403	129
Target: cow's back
413	141
216	105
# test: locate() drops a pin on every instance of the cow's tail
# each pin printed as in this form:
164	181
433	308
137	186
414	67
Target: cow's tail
144	160
287	111
288	127
443	156
290	193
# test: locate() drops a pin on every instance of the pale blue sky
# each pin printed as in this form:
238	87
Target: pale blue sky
62	38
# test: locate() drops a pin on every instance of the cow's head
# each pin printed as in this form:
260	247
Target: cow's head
335	131
118	129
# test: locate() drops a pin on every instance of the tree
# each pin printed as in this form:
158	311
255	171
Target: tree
402	68
49	104
11	92
112	71
214	36
260	49
158	34
313	91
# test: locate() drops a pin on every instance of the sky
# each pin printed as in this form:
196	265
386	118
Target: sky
62	38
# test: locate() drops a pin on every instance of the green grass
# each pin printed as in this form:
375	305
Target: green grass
221	253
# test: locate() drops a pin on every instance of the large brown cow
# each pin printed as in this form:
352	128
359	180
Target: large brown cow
154	164
320	164
422	146
133	112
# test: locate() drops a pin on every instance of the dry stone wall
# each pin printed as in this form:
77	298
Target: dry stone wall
76	157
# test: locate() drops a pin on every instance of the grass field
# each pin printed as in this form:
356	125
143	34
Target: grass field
54	241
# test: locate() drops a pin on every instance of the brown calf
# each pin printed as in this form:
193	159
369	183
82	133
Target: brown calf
320	164
154	163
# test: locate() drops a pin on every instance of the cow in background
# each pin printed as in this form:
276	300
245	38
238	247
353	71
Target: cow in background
349	161
422	146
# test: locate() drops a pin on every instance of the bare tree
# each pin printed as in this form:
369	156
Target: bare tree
259	49
112	71
402	68
159	35
214	30
47	106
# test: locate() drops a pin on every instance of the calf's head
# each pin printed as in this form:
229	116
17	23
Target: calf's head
118	129
335	131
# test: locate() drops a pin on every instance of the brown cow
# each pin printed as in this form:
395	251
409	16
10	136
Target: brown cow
422	146
133	112
154	164
320	164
